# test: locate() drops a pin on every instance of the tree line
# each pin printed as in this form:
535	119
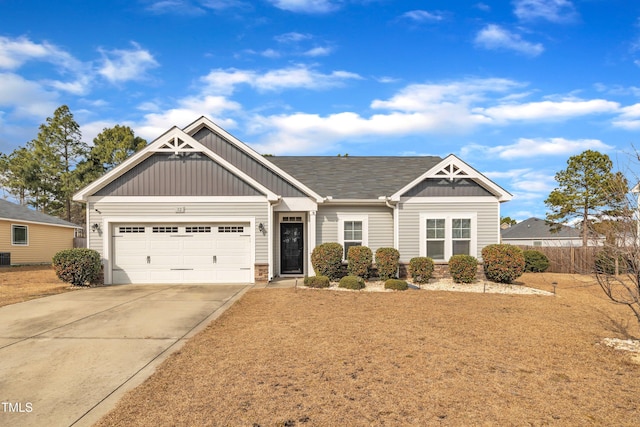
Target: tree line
48	170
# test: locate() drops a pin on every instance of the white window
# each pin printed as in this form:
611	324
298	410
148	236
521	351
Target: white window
352	231
444	235
19	235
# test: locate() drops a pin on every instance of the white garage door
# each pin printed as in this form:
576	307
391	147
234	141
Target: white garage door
182	253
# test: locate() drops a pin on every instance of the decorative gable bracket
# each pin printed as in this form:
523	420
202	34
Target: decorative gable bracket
451	172
176	145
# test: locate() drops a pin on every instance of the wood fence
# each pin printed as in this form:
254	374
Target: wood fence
568	259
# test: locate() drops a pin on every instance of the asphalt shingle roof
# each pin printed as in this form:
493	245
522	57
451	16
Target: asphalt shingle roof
536	228
355	177
16	212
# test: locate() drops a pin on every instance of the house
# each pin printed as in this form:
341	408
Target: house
199	206
31	237
539	232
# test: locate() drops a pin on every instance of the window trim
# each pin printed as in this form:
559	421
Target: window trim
448	232
13	237
365	229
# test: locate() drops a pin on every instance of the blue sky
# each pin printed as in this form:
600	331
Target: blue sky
512	87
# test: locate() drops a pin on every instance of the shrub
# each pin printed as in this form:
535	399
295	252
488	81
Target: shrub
326	260
317	281
351	282
359	260
463	268
535	261
387	262
78	266
421	269
502	263
396	284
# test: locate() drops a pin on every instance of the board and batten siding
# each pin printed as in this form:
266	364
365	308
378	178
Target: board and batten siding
380	219
44	242
488	220
208	211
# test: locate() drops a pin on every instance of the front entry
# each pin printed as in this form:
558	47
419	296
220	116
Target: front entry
291	248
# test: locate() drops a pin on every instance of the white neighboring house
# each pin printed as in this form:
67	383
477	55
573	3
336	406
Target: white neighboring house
539	232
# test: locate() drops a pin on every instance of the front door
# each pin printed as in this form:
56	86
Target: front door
291	248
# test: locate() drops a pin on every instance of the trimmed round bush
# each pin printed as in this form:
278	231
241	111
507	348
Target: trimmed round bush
387	262
535	261
317	281
78	266
463	268
326	260
351	282
396	284
421	269
502	263
359	260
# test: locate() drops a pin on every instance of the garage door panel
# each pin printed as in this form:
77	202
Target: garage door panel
183	253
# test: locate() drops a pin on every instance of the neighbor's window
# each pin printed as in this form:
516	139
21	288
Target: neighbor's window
19	235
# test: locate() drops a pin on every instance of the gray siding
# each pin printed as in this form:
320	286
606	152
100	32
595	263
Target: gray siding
488	219
163	174
441	187
380	220
246	164
207	210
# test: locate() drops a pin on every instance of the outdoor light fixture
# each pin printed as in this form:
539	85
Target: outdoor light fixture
261	228
95	227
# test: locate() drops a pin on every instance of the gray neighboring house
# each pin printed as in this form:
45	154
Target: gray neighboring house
538	232
199	206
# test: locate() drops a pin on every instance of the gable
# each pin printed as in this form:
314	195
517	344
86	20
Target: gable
168	174
443	187
246	163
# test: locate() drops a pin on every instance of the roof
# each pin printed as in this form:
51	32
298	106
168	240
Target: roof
12	211
536	228
373	176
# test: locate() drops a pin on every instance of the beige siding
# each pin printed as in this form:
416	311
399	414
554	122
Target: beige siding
44	242
380	220
207	210
488	217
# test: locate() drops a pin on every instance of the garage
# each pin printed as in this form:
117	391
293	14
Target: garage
182	253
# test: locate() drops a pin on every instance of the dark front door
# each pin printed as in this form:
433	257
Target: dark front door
291	248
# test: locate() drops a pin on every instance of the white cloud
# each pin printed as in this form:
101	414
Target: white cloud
629	118
306	6
549	10
493	37
15	52
292	37
548	110
318	51
121	65
225	81
423	16
538	147
26	98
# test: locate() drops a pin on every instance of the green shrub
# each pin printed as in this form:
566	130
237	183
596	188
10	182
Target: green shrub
317	281
79	266
359	260
387	262
396	284
351	282
535	261
463	268
326	260
502	263
421	269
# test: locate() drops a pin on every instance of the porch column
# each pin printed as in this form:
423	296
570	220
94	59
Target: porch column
311	240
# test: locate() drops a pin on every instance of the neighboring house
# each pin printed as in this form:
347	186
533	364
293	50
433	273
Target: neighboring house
31	237
539	232
199	206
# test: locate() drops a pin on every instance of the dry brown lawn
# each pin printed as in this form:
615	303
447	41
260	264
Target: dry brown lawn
19	284
305	357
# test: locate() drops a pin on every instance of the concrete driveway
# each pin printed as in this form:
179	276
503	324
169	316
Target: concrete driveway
65	360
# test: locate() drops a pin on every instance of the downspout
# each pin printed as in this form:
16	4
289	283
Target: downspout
396	224
270	233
